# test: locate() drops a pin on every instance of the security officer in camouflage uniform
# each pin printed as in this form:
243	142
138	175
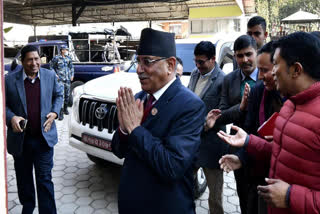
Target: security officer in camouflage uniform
62	65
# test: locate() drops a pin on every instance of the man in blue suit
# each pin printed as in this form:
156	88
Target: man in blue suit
34	97
159	133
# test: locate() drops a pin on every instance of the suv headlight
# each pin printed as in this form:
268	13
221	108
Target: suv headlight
76	94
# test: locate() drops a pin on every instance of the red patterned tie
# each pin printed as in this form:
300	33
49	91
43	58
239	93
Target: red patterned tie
148	107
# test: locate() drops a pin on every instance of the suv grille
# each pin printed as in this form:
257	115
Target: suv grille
97	113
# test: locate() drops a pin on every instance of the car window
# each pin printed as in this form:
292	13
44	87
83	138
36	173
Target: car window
132	68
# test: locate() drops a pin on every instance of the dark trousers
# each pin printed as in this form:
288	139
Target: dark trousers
215	184
256	204
37	154
241	177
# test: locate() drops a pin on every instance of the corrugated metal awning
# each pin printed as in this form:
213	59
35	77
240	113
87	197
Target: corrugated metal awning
56	12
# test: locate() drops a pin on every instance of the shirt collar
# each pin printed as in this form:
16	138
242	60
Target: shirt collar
32	80
159	93
253	75
207	74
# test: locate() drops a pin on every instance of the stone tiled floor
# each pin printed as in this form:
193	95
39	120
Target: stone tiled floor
84	187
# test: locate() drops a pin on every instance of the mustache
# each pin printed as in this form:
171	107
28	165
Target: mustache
143	76
246	64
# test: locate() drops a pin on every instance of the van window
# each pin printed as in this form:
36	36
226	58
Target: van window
185	52
47	53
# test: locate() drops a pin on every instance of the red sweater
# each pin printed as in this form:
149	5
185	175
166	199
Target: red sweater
295	151
33	106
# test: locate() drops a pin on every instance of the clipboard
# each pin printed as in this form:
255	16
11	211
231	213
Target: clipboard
266	129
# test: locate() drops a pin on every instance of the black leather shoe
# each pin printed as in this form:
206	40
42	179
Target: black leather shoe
66	112
61	115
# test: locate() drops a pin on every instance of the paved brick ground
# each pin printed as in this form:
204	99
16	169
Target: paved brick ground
84	187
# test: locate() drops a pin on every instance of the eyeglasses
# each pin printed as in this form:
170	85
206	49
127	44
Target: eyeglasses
199	61
241	55
256	33
148	62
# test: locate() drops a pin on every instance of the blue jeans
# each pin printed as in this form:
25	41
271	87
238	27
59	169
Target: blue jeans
36	153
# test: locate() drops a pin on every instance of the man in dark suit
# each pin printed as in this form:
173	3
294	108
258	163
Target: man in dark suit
257	29
264	100
234	100
206	81
293	154
33	95
159	140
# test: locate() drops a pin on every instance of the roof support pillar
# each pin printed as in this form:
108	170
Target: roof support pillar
75	14
35	30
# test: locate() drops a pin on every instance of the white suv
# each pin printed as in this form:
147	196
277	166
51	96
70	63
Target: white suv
94	119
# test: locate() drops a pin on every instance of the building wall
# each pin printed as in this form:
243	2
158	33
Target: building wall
221	22
249	7
180	28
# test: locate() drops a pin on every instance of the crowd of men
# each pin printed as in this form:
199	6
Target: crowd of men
167	131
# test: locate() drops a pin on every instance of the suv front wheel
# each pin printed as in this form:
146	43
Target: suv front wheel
200	182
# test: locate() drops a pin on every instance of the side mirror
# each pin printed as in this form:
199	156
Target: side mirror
14	64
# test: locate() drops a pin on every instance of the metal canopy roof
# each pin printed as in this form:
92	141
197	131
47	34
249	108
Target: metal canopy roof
301	17
56	12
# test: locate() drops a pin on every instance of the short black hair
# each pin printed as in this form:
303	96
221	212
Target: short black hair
244	41
179	61
301	47
267	48
257	20
205	48
26	49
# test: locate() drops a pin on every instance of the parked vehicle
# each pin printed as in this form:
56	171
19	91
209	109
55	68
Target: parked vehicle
93	54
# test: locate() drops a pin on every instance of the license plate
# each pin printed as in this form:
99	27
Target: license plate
97	142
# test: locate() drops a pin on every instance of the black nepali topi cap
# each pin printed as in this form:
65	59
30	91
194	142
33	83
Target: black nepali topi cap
156	43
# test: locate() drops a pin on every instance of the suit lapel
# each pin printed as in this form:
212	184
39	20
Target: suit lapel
21	91
193	80
162	102
43	82
237	84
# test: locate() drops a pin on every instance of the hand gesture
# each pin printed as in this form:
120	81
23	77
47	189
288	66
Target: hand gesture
130	111
236	140
274	193
50	118
230	163
211	119
244	100
15	123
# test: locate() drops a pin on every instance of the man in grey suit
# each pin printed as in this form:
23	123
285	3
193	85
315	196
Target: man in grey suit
206	81
234	100
34	98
